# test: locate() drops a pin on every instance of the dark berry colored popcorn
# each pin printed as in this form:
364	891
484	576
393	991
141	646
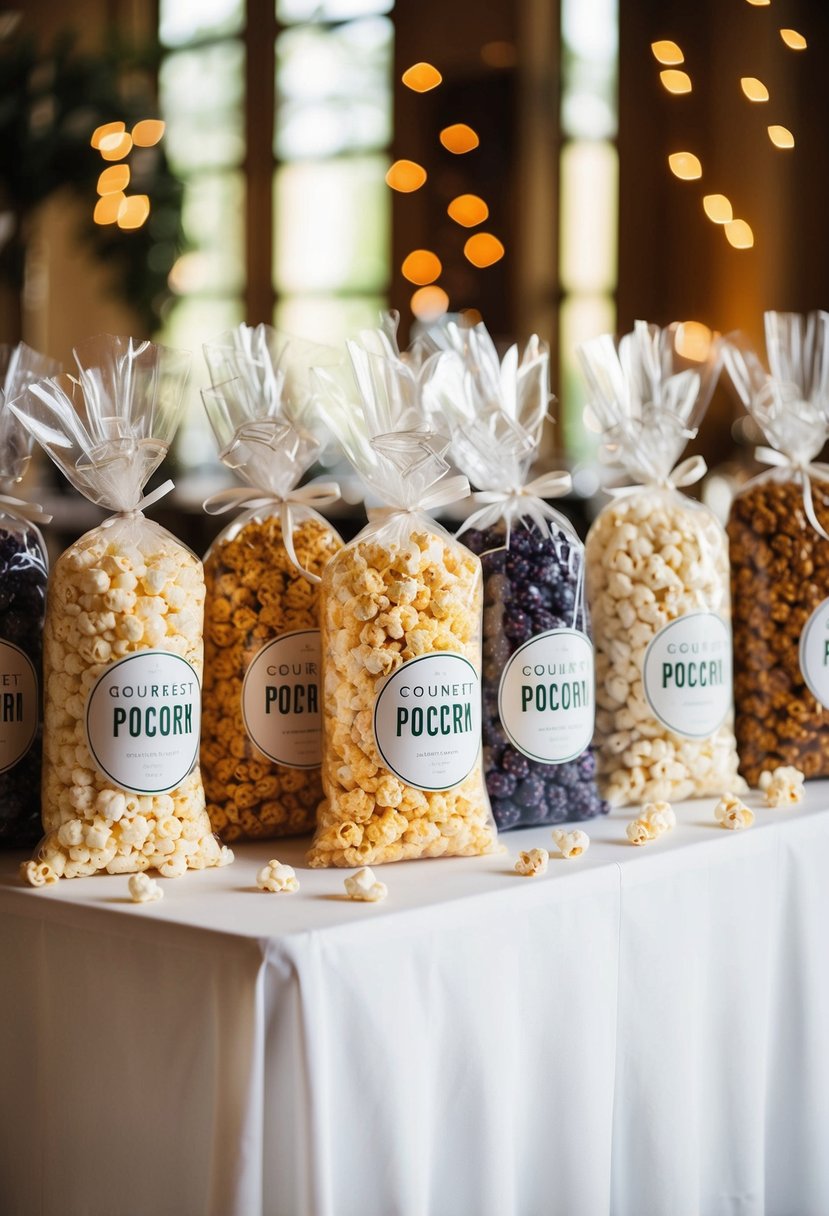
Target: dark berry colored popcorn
22	600
531	587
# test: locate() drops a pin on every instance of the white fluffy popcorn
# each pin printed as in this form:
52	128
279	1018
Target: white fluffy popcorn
144	890
731	813
659	817
364	886
639	832
532	862
277	877
783	786
37	874
572	842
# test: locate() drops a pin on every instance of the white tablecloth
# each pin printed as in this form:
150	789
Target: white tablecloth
642	1032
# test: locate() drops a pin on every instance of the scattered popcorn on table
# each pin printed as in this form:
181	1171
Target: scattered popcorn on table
37	874
144	890
571	842
639	831
277	877
731	813
532	862
783	786
659	817
363	886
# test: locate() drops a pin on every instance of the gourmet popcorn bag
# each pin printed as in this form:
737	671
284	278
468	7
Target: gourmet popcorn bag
779	534
657	581
538	680
123	633
401	613
23	573
261	722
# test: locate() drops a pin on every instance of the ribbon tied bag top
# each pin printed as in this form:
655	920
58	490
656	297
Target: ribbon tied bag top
121	792
778	529
262	720
23	575
657	579
538	677
401	632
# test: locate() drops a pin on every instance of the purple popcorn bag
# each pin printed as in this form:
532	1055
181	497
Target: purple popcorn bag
538	684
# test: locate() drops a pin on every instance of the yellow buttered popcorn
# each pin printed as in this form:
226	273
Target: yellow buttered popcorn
122	668
401	613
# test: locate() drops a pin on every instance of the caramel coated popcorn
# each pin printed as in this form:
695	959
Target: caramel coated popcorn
400	594
657	581
779	581
255	594
127	590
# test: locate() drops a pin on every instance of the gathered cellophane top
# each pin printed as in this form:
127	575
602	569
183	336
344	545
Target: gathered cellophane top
404	591
655	558
127	590
259	588
778	530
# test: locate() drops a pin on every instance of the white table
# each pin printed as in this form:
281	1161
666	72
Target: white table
642	1032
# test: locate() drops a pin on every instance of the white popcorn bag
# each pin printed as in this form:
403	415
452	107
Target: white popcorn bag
261	724
658	580
121	787
401	636
23	575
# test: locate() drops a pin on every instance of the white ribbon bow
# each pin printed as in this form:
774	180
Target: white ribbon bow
807	470
523	501
448	489
32	512
686	473
311	496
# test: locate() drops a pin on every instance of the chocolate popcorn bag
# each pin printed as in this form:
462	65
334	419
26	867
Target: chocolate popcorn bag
121	789
23	574
401	637
657	580
538	680
779	534
262	724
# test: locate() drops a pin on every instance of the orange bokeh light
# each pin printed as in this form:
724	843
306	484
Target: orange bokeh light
429	303
421	267
114	179
147	132
459	138
115	147
468	210
106	208
406	176
133	211
108	128
421	77
483	249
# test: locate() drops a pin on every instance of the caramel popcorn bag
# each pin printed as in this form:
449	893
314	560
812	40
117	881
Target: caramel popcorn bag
538	679
779	534
657	580
401	638
122	666
23	573
262	722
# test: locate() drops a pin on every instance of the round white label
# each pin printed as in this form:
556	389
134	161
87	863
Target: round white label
545	698
814	653
19	705
143	720
427	721
281	700
687	674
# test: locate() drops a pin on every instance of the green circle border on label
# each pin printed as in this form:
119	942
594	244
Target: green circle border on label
293	633
801	650
141	654
433	654
684	734
28	747
548	633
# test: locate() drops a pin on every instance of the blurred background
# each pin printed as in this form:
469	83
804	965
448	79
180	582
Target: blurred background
169	168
